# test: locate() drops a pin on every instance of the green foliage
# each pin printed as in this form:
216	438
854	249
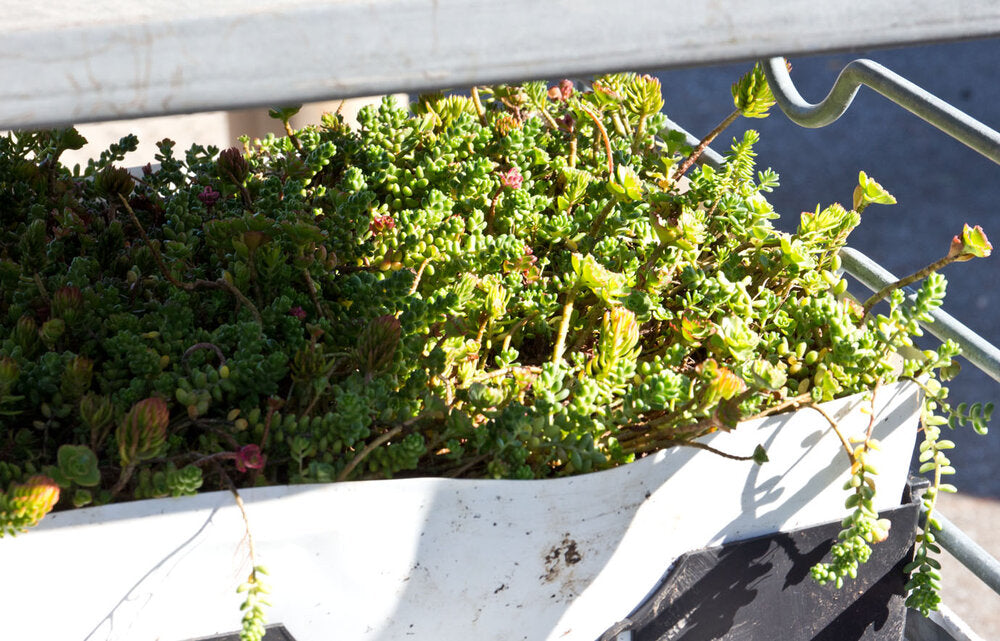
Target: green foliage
511	285
76	464
862	527
23	505
868	192
253	621
752	95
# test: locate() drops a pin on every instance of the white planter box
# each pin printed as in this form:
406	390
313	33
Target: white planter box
438	559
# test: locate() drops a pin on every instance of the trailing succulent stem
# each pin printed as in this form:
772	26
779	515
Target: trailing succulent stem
218	284
252	625
862	527
924	586
971	244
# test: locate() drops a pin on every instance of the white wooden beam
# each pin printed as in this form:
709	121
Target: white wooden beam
67	61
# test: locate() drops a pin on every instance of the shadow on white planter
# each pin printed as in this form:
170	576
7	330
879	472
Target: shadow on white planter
437	558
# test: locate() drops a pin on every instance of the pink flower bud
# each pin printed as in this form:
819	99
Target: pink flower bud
562	92
512	178
249	457
380	224
209	196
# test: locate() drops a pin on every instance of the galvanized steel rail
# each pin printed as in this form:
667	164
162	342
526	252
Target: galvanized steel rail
937	112
66	61
896	88
958	125
966	551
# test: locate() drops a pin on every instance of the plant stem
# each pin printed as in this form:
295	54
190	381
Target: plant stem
836	428
291	136
623	127
254	280
479	106
640	130
246	521
491	214
41	289
601	217
465	467
705	142
871	417
589	323
498	373
567	313
123	478
156	252
368	449
420	272
903	282
702	446
793	402
199	346
311	286
545	114
482	330
604	135
207	284
643	274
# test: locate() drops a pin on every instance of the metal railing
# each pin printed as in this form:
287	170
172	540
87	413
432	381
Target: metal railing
976	349
980	352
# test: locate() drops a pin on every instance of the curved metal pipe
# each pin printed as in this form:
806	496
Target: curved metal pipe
896	88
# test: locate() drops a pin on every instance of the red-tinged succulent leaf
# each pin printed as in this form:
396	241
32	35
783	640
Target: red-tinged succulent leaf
114	182
143	431
67	301
249	457
972	244
511	178
233	166
27	503
723	383
9	371
96	411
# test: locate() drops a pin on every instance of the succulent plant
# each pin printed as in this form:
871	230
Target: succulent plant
142	433
76	464
527	282
24	504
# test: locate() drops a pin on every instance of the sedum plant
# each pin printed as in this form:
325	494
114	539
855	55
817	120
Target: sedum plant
525	282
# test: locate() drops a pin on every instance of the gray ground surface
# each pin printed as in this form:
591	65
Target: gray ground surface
939	183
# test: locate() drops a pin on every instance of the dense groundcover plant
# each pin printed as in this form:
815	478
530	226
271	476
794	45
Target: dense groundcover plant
527	282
